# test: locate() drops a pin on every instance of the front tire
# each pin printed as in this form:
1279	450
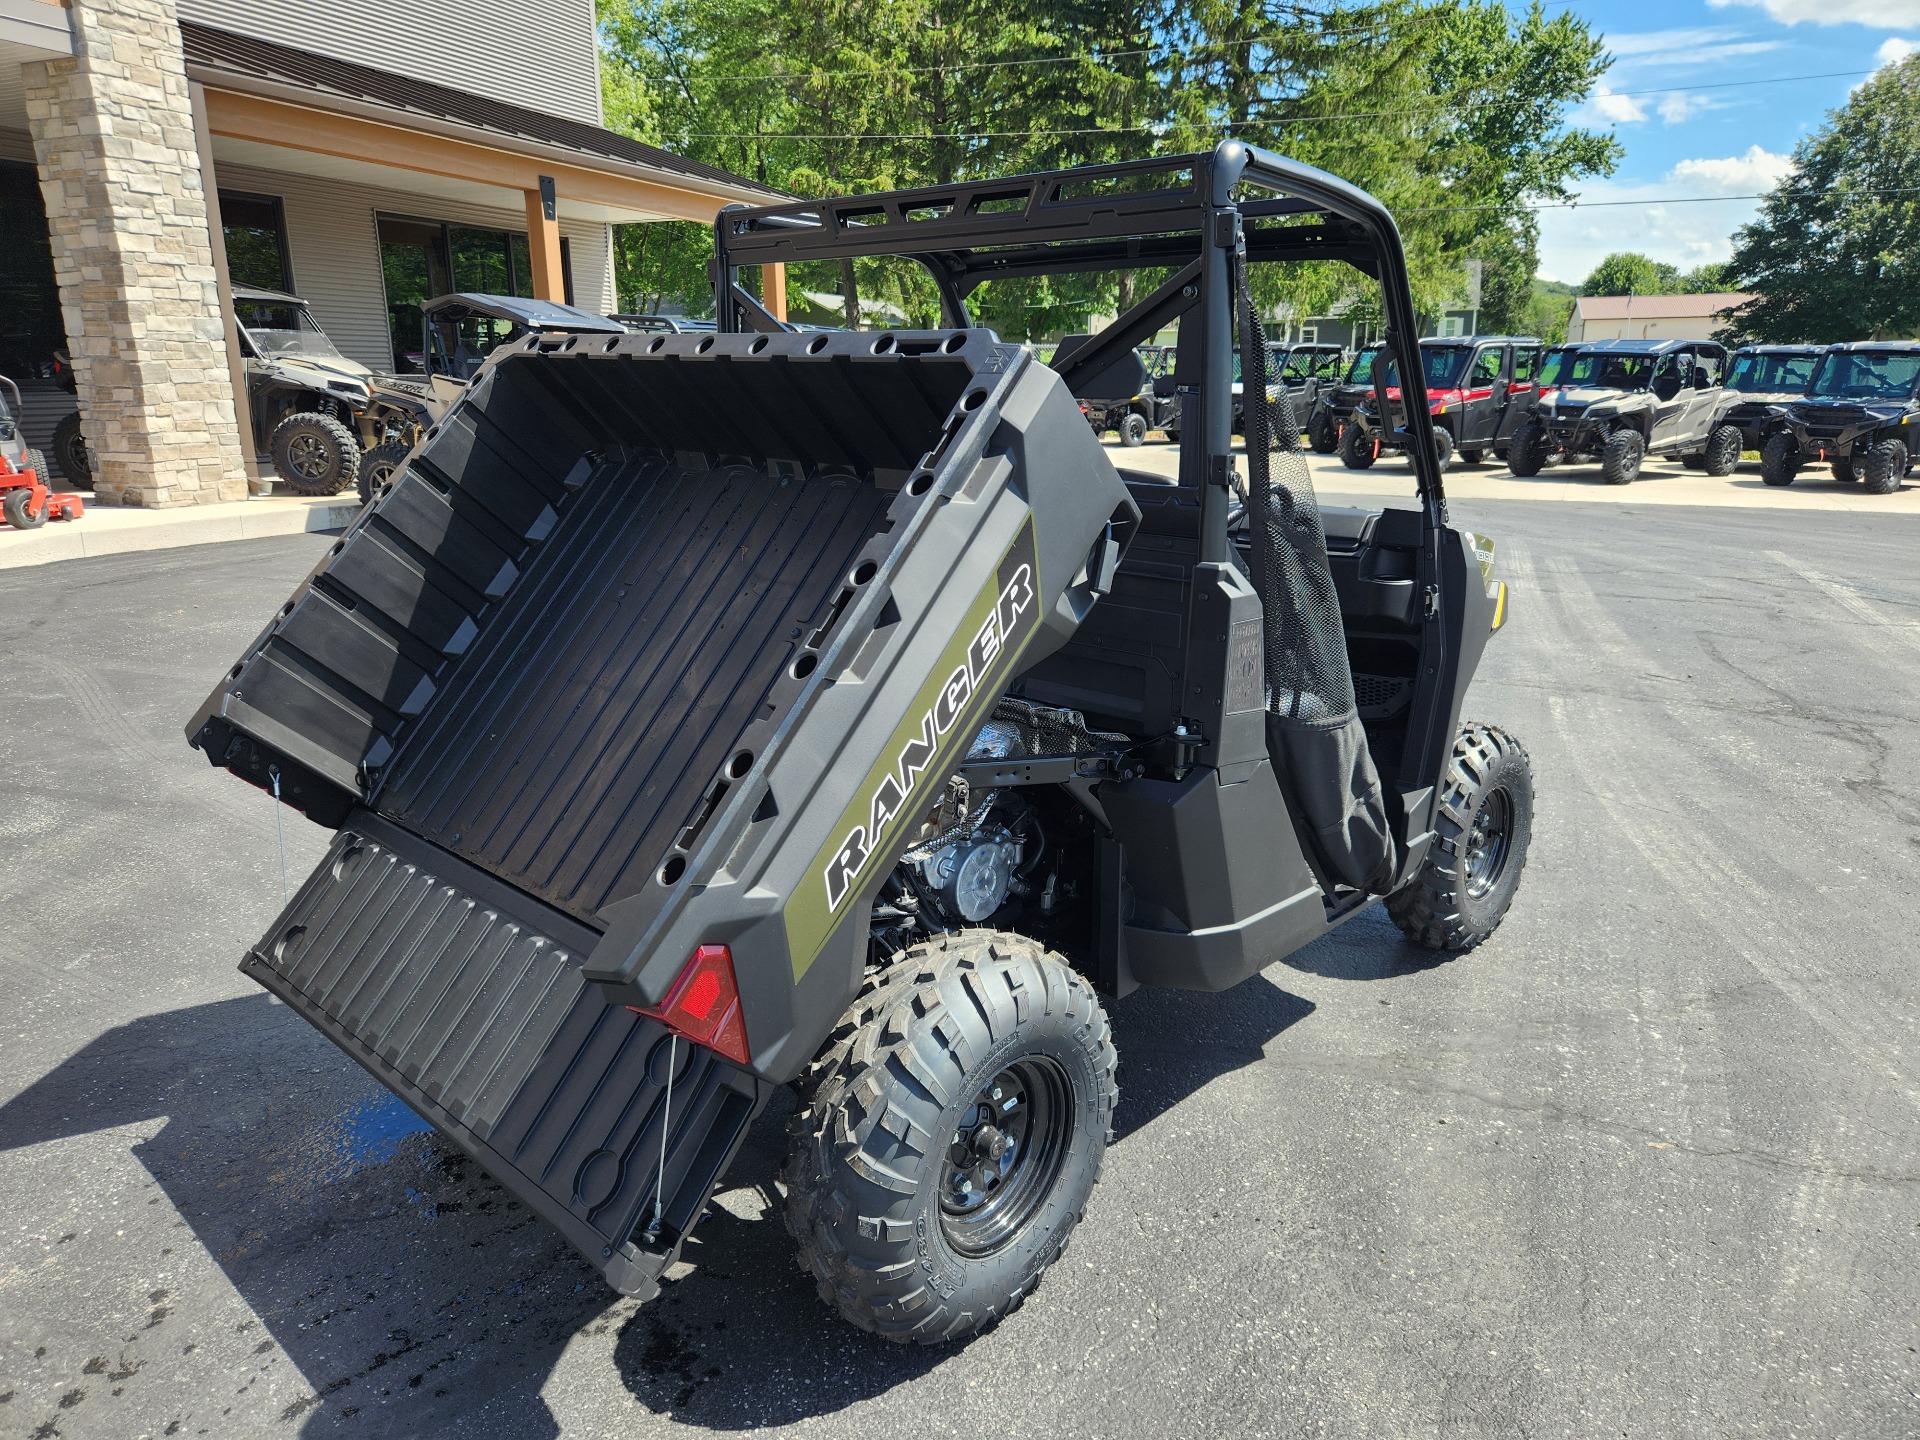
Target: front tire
1527	450
1133	429
1323	433
1620	458
1442	447
17	508
949	1136
1724	445
314	454
1356	447
1467	882
379	466
1779	460
1884	468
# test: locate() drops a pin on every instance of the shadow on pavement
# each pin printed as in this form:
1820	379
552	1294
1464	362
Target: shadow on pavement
416	1297
1367	947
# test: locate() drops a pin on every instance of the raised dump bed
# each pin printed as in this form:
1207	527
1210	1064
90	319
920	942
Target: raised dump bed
658	642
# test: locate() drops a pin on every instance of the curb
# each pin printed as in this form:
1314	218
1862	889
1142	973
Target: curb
118	532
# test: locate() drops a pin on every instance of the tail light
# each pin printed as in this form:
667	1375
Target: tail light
704	1005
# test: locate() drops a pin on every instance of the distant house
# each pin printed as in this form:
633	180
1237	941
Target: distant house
1650	317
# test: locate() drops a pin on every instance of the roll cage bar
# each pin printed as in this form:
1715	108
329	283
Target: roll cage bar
1185	212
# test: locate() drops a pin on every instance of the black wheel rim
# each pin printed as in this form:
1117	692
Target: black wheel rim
1004	1156
309	456
1489	840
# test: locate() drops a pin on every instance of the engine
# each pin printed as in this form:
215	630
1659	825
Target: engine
1002	856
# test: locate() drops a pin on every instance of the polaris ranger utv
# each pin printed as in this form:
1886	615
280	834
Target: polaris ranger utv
1859	412
1619	401
1333	407
1480	388
702	714
1760	379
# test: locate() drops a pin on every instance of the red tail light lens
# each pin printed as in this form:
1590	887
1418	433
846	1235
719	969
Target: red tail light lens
704	1005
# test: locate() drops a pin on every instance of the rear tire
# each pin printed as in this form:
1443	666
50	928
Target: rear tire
1844	471
1472	457
1884	468
1467	882
1723	450
1779	459
1323	433
1695	461
70	453
1356	447
1527	450
1133	429
314	454
1620	458
949	1136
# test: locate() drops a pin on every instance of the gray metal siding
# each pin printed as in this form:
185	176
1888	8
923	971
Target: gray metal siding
537	53
335	250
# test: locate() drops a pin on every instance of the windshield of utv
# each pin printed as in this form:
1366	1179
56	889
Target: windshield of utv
1865	375
1605	371
1361	371
1771	374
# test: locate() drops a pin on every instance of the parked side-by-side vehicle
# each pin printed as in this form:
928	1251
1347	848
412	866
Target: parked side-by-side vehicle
1860	412
1480	388
1618	401
698	715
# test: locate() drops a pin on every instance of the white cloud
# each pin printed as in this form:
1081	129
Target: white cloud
1573	241
1695	46
1880	14
1605	107
1893	50
1747	174
1681	106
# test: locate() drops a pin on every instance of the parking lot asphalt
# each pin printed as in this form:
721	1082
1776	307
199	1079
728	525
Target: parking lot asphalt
1642	1165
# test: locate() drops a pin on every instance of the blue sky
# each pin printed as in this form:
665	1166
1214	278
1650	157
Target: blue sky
1689	131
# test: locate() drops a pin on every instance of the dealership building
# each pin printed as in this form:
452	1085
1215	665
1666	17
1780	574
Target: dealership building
362	155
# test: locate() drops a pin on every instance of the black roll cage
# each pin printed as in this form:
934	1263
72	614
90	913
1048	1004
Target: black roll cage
1185	212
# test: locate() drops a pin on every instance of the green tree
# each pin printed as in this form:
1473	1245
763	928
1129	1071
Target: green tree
1628	272
1707	279
1834	253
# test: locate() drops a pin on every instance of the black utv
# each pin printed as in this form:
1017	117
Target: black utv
1132	417
457	333
1480	388
1619	401
1760	379
1859	413
1305	370
703	714
1333	407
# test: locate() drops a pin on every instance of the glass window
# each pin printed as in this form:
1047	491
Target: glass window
1866	375
1608	371
1526	362
1776	374
1361	371
255	231
1443	364
277	327
1486	367
482	260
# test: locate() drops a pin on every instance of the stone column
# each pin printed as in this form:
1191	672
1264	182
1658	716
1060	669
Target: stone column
119	167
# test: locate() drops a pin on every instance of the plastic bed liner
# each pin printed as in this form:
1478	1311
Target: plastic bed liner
656	642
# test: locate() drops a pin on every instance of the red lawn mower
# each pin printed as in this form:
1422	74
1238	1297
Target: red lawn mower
25	500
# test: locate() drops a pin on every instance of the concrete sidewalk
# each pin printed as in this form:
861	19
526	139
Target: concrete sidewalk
116	530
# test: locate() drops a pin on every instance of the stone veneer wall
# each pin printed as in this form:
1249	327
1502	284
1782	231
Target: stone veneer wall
113	135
